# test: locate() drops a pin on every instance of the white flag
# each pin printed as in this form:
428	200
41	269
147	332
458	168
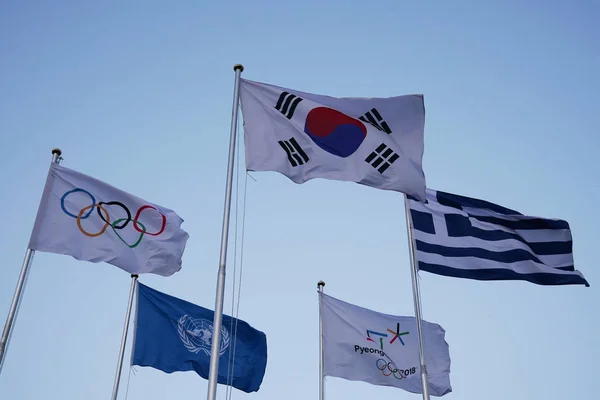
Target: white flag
381	349
88	219
376	142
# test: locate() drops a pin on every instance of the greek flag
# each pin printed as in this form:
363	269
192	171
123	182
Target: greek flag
470	238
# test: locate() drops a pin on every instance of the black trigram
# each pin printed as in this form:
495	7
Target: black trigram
295	154
374	118
382	158
287	104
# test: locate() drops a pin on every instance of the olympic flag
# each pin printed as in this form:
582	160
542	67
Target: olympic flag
89	220
381	349
376	142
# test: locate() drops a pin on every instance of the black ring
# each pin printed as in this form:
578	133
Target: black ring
115	203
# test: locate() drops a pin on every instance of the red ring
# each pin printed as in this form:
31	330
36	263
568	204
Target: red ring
137	215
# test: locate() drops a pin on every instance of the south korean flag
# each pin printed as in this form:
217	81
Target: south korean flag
376	142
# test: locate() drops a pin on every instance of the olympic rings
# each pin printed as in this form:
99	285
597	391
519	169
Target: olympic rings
104	215
389	368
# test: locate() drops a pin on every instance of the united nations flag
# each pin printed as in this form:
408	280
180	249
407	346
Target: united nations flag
174	335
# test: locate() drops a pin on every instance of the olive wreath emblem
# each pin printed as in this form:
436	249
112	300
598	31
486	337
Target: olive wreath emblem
187	342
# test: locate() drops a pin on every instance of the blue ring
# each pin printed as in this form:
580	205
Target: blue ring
62	202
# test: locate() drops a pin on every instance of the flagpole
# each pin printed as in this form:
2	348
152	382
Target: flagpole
220	293
16	301
320	286
115	393
416	299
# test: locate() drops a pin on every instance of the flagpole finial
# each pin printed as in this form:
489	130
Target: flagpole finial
320	284
238	66
57	151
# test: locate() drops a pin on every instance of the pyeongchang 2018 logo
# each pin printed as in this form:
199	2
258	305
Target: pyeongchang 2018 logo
385	364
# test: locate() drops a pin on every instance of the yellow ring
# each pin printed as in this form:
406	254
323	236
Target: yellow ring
106	224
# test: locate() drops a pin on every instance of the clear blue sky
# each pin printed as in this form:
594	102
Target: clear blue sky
139	95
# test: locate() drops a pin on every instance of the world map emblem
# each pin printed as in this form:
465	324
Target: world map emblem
196	334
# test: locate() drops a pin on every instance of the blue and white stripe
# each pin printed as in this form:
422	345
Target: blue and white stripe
470	238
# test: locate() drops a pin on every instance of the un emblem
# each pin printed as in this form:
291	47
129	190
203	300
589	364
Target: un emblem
197	335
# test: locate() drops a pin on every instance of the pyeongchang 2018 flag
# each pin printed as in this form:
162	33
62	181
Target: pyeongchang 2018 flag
172	335
376	142
464	237
90	220
382	349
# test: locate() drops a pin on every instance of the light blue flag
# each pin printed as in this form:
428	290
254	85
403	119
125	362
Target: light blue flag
174	335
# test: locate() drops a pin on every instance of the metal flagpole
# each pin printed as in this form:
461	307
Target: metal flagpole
220	293
124	338
16	301
416	299
320	286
